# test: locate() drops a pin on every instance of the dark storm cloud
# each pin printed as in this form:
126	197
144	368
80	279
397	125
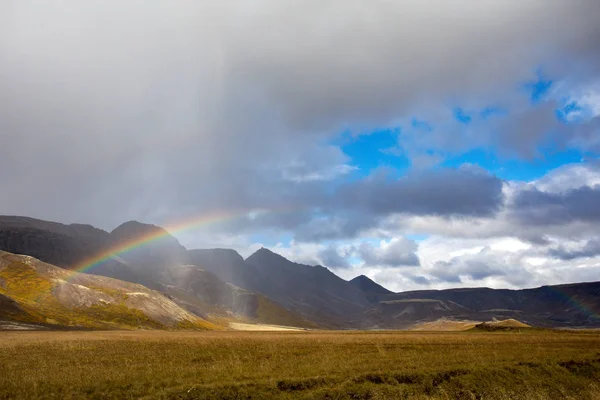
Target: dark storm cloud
535	207
448	192
355	207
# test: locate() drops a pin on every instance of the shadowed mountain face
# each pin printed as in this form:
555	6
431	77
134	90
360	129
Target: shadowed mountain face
151	256
371	289
54	243
202	293
368	286
314	292
267	287
150	245
228	266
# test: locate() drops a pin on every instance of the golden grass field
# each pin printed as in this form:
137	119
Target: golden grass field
528	364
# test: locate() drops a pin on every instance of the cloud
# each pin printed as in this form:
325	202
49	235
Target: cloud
532	206
591	248
304	173
331	257
198	106
361	62
467	192
397	252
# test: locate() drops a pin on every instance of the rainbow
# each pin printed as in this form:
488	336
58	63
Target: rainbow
114	252
586	309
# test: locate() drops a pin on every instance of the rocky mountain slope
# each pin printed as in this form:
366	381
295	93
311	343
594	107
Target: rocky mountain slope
312	291
35	292
54	243
369	286
371	289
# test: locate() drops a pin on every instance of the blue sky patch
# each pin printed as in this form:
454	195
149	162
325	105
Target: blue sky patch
371	151
539	88
462	116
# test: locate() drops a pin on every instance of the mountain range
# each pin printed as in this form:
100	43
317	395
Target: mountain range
41	282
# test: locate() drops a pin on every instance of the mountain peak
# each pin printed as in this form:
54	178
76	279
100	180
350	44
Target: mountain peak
265	254
155	246
134	228
367	285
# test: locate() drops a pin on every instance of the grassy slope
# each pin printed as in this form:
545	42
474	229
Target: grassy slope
269	312
34	295
186	365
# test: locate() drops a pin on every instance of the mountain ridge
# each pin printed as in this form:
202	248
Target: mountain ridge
288	290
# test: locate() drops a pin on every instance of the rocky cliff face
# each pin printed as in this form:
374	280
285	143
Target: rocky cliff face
57	244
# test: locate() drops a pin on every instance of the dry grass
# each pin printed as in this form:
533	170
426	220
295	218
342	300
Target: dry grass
311	365
240	326
446	325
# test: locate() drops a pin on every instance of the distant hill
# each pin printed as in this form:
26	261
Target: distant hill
572	305
402	314
503	325
35	292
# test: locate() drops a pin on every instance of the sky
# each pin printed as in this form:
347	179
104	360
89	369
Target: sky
425	144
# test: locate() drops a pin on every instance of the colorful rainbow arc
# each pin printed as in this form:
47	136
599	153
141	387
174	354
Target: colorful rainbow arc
189	224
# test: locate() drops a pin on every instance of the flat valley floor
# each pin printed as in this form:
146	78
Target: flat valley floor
306	365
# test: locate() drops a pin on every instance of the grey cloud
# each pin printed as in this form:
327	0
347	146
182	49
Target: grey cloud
590	249
331	257
533	206
484	264
526	130
362	205
463	192
419	280
442	272
400	252
522	132
327	69
335	224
